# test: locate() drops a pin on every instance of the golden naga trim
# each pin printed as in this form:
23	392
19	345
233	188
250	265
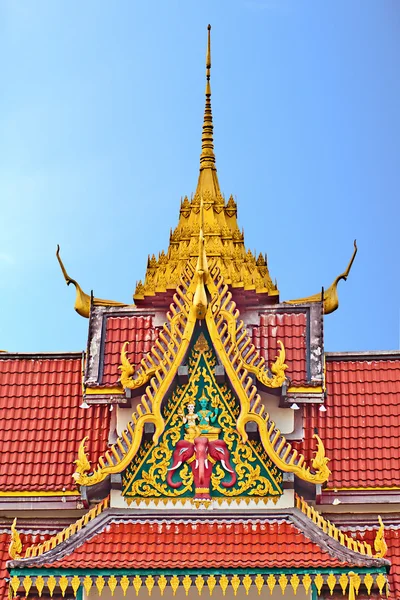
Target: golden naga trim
168	352
131	379
65	534
82	463
330	296
15	547
333	531
239	357
379	542
83	300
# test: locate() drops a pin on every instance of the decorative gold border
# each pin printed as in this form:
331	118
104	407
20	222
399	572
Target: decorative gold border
349	582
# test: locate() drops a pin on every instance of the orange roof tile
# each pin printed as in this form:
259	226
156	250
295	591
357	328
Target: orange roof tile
197	544
361	428
392	538
42	423
291	329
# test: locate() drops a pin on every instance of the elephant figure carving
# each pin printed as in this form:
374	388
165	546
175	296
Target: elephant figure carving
201	454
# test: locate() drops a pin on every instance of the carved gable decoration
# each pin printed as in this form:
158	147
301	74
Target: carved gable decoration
201	454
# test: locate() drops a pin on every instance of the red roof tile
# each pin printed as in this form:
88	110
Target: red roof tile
361	428
291	329
26	539
140	334
4	557
199	544
392	538
42	423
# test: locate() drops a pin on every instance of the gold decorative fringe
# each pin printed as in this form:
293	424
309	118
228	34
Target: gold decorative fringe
349	583
332	530
37	550
190	501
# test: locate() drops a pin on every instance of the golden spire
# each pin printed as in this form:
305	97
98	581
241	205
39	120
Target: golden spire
207	156
221	239
200	296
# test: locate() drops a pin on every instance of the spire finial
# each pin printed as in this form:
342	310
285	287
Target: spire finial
207	157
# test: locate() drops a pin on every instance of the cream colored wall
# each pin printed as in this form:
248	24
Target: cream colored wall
283	417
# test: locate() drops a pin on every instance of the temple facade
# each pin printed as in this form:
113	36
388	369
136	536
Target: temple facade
205	443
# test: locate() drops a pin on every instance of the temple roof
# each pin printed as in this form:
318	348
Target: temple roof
278	544
238	357
360	427
123	541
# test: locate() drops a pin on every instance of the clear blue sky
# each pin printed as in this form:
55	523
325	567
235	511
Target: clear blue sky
101	106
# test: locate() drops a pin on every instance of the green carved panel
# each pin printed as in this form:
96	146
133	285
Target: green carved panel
200	428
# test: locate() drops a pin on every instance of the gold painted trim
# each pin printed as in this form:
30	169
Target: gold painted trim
229	584
104	391
239	356
349	542
83	301
170	349
65	534
330	296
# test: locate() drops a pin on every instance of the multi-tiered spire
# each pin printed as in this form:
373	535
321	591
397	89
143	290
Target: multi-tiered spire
224	241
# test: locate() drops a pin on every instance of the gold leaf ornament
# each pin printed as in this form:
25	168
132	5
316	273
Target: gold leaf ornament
294	582
124	583
82	462
368	582
15	583
15	548
199	581
271	582
112	584
247	583
162	584
379	542
320	461
223	584
331	581
39	583
235	583
27	583
51	584
187	584
137	584
174	583
87	584
307	581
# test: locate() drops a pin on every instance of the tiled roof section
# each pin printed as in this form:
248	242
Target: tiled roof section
392	538
136	330
291	329
42	423
361	427
199	544
4	556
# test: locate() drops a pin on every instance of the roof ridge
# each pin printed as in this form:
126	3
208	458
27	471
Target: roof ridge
4	355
